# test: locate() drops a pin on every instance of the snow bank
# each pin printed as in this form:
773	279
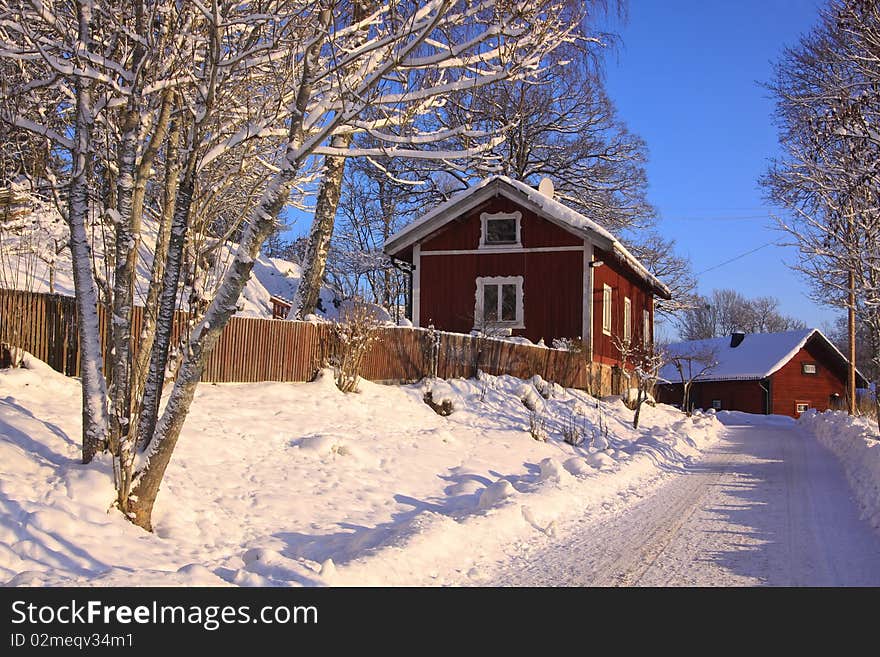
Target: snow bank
298	484
854	441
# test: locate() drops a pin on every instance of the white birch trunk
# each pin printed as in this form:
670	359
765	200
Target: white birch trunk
315	262
94	389
263	222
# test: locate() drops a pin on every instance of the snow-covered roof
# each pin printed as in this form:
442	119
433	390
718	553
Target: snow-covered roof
538	202
27	251
758	356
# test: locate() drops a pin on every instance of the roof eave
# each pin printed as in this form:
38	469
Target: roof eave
498	186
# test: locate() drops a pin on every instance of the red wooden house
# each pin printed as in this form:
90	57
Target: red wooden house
503	257
765	373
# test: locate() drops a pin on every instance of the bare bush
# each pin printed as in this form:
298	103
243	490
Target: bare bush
537	425
574	431
353	334
486	383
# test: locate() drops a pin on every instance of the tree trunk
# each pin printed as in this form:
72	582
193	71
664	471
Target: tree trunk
201	342
851	317
94	388
640	398
152	394
123	286
263	221
305	301
157	271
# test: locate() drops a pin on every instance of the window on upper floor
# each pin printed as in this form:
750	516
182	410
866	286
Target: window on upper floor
809	368
646	328
627	319
500	229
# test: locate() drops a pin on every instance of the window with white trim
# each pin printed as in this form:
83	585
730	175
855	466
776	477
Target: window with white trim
716	404
646	328
627	319
808	368
606	309
500	229
801	407
499	302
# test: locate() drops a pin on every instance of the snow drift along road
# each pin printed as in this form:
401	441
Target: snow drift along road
768	505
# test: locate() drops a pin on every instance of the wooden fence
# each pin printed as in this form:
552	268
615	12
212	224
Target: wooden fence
251	350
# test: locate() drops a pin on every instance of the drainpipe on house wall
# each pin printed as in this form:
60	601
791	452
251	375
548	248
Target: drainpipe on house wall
768	399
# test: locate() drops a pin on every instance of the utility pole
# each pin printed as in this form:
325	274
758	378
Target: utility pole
851	316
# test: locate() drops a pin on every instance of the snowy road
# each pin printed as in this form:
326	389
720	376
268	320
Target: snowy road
768	506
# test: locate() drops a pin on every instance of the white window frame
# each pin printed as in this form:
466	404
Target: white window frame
646	328
717	404
482	282
798	409
485	217
607	296
627	318
804	367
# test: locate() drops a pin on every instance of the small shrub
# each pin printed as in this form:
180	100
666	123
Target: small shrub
486	383
537	425
353	335
575	430
601	440
544	388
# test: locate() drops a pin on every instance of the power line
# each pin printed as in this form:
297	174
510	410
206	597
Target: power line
747	217
734	259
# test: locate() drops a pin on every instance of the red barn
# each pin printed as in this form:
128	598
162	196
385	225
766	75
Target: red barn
504	258
765	373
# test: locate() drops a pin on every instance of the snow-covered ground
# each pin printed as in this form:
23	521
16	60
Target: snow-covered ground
855	442
299	484
766	505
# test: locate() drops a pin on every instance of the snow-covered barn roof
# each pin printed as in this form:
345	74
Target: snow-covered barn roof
758	355
536	201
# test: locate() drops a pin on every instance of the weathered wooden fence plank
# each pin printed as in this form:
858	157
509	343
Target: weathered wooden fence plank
252	349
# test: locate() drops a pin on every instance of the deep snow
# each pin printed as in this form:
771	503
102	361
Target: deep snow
856	443
299	484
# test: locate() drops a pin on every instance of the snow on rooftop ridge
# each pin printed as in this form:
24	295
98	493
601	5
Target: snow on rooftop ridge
758	356
549	206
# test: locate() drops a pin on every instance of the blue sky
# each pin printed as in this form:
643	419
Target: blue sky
686	78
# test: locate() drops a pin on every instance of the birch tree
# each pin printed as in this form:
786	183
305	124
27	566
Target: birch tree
177	89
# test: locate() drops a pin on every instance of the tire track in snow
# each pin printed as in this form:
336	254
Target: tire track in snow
616	550
767	506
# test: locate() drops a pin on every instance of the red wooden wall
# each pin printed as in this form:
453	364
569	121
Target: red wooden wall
623	284
552	282
791	385
747	396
